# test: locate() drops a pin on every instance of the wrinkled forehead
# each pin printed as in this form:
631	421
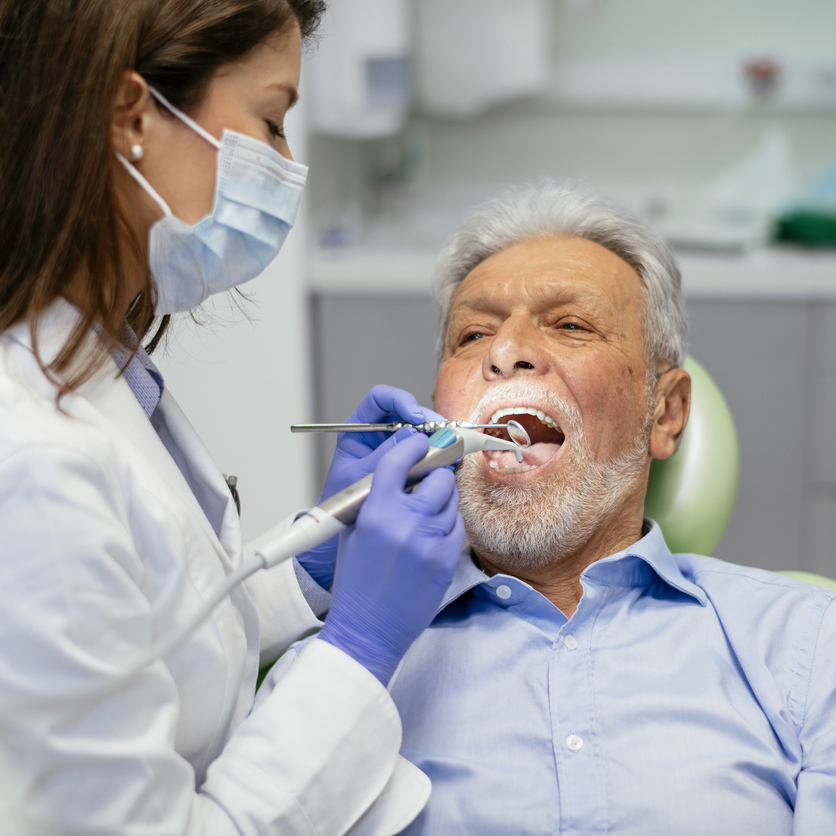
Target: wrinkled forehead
545	272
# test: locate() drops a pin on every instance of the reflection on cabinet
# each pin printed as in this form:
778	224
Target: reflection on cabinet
774	360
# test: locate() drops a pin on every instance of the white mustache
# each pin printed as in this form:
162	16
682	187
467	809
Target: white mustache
528	393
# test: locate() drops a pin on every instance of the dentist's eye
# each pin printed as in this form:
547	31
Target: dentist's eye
276	131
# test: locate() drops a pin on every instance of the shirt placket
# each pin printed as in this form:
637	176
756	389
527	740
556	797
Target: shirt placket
581	795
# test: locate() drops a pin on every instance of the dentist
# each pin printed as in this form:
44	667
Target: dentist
143	167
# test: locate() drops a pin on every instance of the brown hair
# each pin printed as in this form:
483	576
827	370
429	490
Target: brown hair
61	62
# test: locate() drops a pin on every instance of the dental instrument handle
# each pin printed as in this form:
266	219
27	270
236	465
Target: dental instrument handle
340	510
393	426
349	428
447	446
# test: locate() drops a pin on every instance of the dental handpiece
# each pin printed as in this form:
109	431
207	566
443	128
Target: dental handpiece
328	518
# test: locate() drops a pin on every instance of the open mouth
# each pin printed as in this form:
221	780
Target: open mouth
544	431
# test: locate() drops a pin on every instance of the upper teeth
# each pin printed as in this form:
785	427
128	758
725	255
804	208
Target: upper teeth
523	410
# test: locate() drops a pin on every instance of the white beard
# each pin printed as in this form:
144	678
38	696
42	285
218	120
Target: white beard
530	526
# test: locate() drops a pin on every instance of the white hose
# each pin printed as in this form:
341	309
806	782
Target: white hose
308	531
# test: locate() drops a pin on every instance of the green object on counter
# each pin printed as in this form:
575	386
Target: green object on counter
692	494
808	226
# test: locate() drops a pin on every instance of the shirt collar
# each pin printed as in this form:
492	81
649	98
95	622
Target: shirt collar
638	565
142	376
466	576
641	563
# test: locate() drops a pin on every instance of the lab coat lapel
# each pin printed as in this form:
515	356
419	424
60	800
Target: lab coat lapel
214	494
107	401
113	400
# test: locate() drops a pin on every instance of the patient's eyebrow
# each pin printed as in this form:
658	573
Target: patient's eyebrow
550	298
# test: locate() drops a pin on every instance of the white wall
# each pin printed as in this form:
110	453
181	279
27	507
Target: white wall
607	29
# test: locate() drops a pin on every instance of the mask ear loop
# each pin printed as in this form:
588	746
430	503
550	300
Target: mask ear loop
134	172
183	118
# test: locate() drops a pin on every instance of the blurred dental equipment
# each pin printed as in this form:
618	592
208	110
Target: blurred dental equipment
504	55
320	523
359	75
516	432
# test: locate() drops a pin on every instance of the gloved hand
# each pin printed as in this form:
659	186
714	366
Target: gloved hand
395	563
356	456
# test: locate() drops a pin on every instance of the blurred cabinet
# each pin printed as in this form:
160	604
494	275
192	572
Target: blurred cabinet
819	540
361	340
775	360
757	352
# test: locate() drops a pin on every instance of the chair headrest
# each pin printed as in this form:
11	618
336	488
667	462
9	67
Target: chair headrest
692	494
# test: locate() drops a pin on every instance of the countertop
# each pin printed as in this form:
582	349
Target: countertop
779	273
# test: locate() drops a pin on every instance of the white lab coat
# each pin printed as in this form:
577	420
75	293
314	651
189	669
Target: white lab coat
105	548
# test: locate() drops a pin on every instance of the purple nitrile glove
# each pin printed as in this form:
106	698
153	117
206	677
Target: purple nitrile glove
356	456
395	563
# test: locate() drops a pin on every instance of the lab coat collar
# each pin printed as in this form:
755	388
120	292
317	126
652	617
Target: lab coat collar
107	399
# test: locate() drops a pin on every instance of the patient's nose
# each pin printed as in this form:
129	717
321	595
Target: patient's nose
515	350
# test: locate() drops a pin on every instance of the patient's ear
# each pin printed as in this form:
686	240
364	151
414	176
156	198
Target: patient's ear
670	413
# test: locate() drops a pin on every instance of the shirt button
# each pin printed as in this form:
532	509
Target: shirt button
571	642
504	592
574	742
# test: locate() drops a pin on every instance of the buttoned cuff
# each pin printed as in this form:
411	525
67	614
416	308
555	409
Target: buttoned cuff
319	599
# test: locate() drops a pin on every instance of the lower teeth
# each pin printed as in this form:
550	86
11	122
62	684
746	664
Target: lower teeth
522	469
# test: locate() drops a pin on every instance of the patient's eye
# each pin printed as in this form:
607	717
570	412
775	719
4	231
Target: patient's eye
573	326
469	338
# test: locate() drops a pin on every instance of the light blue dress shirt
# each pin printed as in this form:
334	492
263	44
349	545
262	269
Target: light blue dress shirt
142	376
685	696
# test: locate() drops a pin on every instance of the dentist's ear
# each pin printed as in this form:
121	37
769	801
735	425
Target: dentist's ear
670	413
131	116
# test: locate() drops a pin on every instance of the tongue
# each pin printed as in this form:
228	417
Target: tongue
537	431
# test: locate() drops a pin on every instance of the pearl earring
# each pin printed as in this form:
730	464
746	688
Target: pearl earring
137	152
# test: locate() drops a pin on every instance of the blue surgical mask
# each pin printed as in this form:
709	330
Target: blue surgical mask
257	194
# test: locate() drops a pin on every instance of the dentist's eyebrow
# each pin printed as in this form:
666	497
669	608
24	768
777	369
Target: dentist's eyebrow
292	92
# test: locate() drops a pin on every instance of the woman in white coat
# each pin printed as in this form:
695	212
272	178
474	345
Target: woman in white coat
142	168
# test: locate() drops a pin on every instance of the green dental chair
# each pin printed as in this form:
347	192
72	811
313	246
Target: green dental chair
692	494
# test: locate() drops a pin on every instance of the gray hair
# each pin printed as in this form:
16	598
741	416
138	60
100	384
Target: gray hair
547	208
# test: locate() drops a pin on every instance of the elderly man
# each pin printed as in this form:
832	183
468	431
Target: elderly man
580	678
